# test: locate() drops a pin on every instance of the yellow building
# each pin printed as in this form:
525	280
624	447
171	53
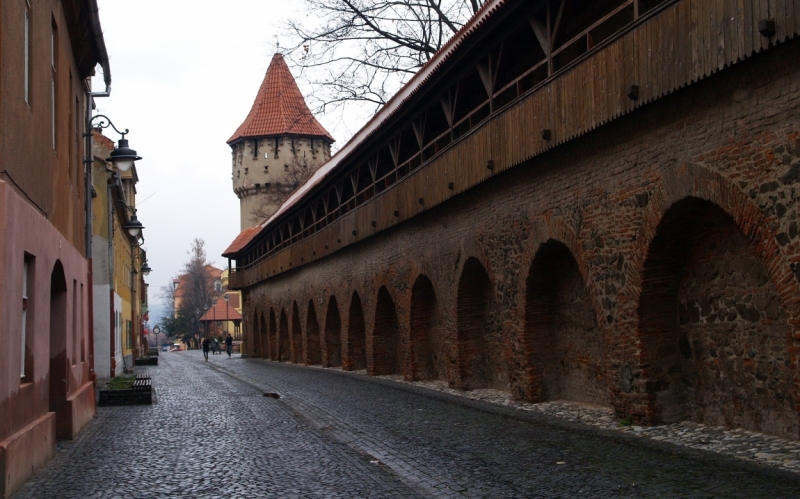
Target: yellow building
119	289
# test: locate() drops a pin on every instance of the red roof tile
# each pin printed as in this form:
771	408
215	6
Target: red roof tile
241	240
213	272
221	311
279	108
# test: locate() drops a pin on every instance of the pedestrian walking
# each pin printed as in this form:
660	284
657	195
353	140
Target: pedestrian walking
229	344
206	347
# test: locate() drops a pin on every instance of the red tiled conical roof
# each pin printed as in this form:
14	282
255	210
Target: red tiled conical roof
279	108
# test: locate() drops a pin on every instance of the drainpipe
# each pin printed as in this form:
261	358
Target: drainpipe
100	44
112	314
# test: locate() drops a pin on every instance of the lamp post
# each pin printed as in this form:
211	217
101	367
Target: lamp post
123	156
227	299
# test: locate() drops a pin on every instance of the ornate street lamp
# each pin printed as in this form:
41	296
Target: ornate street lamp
123	156
134	226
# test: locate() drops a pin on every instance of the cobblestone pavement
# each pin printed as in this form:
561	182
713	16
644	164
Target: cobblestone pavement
742	444
208	436
454	447
334	434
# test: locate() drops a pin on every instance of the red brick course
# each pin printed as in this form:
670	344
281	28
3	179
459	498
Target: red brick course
538	280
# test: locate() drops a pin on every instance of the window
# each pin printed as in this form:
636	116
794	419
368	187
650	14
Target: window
77	135
75	333
24	315
53	67
27	44
83	343
26	342
128	335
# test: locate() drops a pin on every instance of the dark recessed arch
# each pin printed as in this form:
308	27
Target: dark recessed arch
562	343
272	335
476	363
297	336
59	366
255	336
712	326
428	360
283	338
356	354
386	353
263	338
313	347
333	334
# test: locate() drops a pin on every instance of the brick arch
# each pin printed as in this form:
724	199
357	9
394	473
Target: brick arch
385	356
313	346
252	324
272	335
712	327
563	348
296	333
355	352
283	347
255	332
333	334
697	182
474	294
694	180
469	248
427	345
262	336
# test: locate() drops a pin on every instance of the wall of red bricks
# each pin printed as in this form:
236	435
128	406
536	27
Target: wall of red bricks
651	265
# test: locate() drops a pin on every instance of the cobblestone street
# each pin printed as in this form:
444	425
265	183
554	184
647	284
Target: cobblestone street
212	433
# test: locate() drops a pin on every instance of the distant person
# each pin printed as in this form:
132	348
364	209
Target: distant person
206	347
229	344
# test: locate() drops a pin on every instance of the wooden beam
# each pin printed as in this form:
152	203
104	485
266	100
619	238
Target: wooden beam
419	130
447	107
540	30
394	150
325	199
557	24
339	188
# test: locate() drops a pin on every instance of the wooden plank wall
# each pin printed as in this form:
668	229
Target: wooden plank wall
683	43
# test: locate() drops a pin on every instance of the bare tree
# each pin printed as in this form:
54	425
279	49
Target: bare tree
295	174
196	286
364	50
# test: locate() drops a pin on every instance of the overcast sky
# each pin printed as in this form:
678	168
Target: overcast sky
184	76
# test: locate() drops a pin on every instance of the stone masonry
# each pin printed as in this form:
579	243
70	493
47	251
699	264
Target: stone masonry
650	265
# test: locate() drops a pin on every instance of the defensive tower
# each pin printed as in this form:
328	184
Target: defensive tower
279	143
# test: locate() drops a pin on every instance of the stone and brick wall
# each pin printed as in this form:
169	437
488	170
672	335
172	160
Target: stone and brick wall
651	264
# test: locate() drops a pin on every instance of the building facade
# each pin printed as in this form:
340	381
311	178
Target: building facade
48	50
119	288
277	147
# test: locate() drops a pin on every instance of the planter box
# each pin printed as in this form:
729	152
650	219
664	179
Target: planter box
146	361
140	394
